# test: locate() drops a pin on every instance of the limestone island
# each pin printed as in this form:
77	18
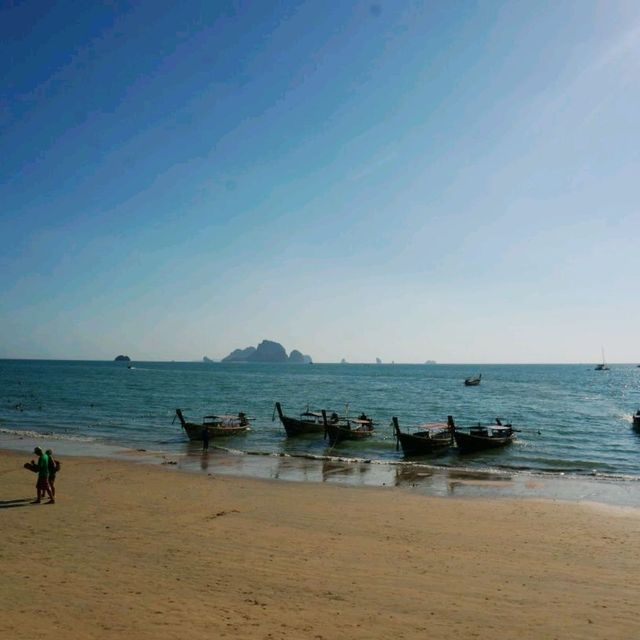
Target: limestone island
267	351
122	359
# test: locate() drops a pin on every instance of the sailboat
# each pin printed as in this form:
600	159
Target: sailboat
603	366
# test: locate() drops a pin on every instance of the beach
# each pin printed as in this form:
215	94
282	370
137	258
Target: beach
146	551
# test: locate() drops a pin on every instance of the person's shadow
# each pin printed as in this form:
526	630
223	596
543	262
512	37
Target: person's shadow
20	502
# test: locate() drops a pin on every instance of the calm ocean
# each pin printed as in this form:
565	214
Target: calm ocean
573	420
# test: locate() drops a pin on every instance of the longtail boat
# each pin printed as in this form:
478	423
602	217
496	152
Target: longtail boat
473	381
307	422
480	437
337	429
428	437
636	420
217	426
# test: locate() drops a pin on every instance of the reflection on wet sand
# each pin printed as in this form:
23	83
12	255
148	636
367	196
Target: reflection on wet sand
318	468
464	482
442	481
333	468
290	468
463	475
411	475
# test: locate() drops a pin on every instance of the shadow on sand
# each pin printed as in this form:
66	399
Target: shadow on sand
20	502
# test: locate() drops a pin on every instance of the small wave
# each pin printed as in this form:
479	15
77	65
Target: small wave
614	477
312	456
48	434
418	464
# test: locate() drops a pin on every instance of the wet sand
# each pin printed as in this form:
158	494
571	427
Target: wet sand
146	551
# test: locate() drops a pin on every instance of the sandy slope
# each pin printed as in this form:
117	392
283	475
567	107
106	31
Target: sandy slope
145	552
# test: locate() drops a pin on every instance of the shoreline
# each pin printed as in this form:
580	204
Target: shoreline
134	549
417	477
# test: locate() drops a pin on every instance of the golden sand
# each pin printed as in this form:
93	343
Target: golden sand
146	552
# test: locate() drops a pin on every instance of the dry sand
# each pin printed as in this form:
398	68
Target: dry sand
146	552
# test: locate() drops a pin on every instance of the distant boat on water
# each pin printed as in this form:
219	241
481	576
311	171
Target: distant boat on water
636	420
473	381
603	366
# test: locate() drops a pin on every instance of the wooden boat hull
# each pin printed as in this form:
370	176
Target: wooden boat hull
217	427
195	431
297	427
468	443
338	432
413	444
429	438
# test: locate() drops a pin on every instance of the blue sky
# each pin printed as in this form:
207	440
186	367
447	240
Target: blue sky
403	180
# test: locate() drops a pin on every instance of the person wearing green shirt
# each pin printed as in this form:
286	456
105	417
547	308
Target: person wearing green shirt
42	484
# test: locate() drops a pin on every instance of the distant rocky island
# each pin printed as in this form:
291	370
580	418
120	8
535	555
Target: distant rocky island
207	360
122	359
267	351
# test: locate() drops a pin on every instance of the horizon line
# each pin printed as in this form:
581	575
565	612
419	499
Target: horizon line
376	364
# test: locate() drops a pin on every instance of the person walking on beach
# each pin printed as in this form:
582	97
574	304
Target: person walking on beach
54	467
42	485
205	439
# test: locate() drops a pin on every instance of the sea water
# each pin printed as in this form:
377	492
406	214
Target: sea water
571	419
